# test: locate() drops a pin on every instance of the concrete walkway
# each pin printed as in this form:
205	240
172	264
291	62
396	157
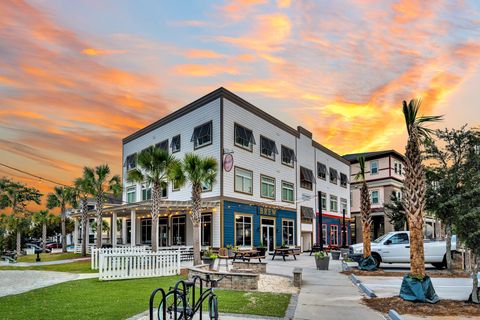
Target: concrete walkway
46	263
324	294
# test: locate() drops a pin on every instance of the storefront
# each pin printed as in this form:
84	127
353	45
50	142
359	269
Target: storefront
332	233
248	225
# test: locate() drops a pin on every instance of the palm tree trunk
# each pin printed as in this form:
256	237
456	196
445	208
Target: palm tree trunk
367	235
44	236
156	196
475	290
366	220
196	244
99	231
64	230
155	234
417	255
84	235
196	218
19	242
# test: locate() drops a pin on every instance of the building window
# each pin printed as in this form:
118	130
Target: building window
324	201
324	234
267	188
206	229
288	156
288	232
178	231
333	176
333	203
244	137
306	214
175	144
333	235
373	167
146	192
321	171
343	205
131	161
146	226
202	135
206	187
287	192
175	186
243	231
374	196
400	168
306	178
243	181
164	192
398	195
162	145
132	194
343	180
268	148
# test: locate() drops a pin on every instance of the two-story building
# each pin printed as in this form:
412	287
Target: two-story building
267	183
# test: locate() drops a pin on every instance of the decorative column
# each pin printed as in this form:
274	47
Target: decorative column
124	230
133	228
114	229
75	233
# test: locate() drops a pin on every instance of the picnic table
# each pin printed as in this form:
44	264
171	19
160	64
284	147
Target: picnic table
285	252
246	255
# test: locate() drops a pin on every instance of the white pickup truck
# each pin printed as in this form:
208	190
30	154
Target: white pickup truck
394	247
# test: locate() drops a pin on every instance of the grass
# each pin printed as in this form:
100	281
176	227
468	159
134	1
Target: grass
49	257
93	299
73	267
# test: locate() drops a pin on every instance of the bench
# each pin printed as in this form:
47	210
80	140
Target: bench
297	277
8	259
254	257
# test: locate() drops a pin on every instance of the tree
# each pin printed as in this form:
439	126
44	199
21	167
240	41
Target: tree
44	218
82	191
197	171
99	186
153	167
414	196
105	226
60	198
365	209
395	212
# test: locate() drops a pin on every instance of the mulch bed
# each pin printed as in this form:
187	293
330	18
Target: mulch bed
441	308
432	274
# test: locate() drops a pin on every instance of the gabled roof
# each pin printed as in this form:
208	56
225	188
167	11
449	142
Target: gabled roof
353	157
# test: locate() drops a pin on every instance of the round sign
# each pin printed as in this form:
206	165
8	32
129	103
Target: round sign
228	162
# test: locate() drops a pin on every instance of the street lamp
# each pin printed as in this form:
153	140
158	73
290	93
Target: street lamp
344	230
320	216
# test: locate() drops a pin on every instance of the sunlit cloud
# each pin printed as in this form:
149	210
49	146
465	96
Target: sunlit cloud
204	70
100	52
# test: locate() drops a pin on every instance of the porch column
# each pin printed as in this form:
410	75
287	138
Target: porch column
75	233
114	229
133	223
124	230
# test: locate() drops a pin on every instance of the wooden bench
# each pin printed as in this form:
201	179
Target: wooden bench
254	257
297	277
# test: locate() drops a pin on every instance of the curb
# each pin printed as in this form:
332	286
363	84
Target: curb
394	315
354	279
367	290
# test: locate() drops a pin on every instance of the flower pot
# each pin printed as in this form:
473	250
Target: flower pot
230	252
209	261
322	263
335	254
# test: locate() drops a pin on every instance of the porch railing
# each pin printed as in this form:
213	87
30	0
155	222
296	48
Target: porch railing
96	253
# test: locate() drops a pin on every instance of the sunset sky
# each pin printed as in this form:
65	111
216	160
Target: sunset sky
78	76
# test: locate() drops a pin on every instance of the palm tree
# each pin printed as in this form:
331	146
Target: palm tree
415	188
81	189
153	168
60	198
197	171
99	186
365	209
44	218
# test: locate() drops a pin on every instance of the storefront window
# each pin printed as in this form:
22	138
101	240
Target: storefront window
146	225
206	229
334	235
178	230
243	231
324	233
288	232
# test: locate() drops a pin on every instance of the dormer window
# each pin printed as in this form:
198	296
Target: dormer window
202	135
268	148
244	137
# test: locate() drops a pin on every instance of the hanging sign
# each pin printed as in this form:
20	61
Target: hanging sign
228	162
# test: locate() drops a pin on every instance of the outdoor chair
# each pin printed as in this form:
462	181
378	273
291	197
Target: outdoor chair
223	256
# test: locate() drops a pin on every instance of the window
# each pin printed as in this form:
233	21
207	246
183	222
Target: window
343	180
146	192
268	148
202	135
373	167
178	230
206	229
288	232
324	234
206	187
244	137
162	145
334	235
131	161
333	176
306	214
398	195
397	167
288	156
343	205
324	201
321	171
164	191
267	187
306	178
400	168
175	186
243	180
287	192
243	231
399	238
146	226
175	144
374	196
131	194
333	203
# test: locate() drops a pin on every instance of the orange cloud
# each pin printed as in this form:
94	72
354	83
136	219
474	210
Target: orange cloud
100	52
204	70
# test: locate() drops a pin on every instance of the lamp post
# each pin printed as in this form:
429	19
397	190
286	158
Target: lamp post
320	216
344	230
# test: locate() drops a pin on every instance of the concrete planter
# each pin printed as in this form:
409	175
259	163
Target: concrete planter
335	254
322	263
209	261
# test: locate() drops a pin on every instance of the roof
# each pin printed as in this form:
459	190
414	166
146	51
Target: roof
224	93
353	157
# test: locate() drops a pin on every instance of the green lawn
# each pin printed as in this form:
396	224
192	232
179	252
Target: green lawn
74	267
49	257
94	299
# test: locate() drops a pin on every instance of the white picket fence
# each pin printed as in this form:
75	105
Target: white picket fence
95	253
115	266
78	248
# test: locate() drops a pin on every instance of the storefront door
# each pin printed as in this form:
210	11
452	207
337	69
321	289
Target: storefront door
268	234
163	232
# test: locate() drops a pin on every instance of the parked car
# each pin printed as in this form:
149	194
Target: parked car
54	245
36	248
394	247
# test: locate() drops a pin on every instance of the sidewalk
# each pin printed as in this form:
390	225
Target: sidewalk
46	263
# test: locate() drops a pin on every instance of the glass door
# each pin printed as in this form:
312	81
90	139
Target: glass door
268	234
163	232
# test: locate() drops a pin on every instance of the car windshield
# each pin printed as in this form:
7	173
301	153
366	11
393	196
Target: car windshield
380	239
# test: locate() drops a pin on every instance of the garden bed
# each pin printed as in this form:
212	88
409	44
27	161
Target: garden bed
441	308
383	273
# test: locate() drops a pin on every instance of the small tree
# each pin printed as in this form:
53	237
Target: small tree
395	212
365	209
61	197
44	218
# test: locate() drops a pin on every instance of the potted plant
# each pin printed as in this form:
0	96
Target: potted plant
321	259
284	246
229	250
209	257
261	249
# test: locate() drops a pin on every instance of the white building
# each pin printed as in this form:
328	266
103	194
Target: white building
267	183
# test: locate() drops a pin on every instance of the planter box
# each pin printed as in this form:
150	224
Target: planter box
322	263
335	255
208	261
